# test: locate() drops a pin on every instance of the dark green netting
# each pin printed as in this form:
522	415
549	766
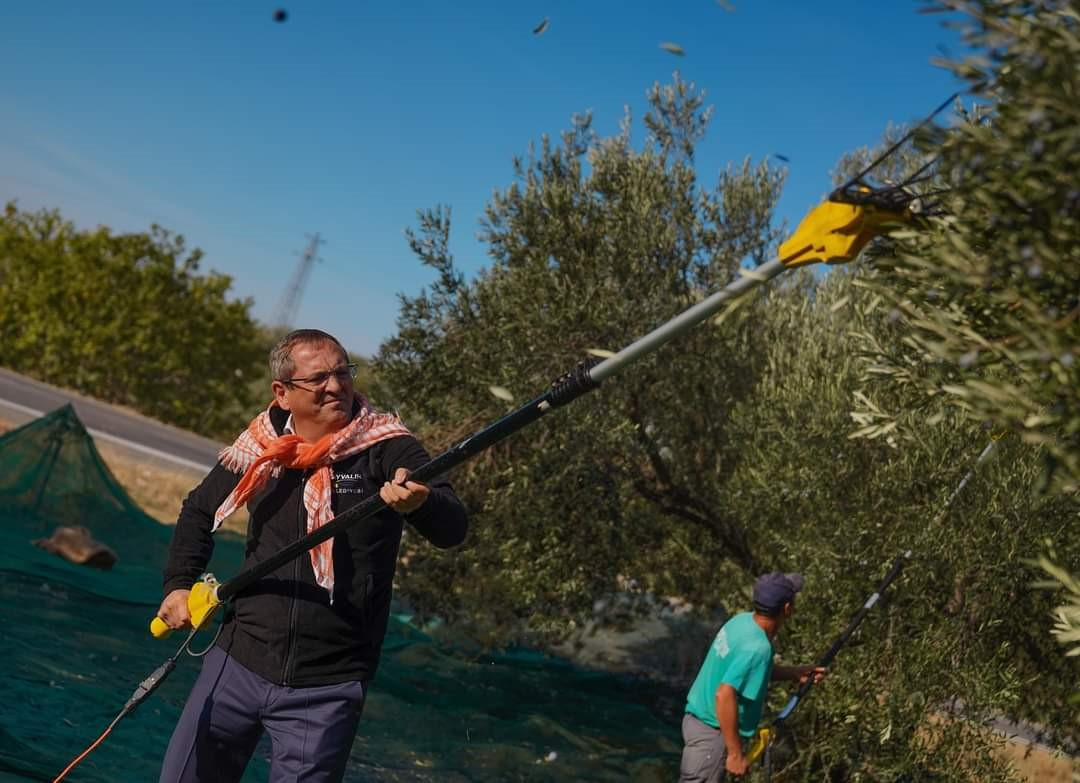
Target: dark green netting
75	645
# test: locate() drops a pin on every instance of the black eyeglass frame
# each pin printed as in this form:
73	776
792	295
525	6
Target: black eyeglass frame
320	379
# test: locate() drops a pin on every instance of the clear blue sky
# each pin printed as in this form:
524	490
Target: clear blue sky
245	135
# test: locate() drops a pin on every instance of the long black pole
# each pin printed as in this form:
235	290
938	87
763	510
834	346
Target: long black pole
897	567
841	640
834	648
857	618
584	378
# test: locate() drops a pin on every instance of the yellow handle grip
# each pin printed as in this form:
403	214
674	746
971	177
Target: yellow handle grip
202	603
758	744
159	629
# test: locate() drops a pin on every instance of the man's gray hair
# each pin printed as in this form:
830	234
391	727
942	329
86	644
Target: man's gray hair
281	363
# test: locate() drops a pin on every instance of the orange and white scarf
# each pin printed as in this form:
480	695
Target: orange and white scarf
260	453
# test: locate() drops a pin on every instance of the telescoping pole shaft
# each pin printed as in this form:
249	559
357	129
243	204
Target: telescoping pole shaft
841	640
564	391
890	577
686	320
832	232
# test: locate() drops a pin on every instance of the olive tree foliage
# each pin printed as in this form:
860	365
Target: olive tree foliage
989	290
126	318
593	244
1067	616
959	633
726	453
989	294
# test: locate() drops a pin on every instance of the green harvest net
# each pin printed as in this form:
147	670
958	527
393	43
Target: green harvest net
75	645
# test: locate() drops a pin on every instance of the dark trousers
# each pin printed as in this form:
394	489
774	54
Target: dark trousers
311	729
704	752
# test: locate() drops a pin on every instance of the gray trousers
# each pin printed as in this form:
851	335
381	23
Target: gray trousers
311	729
704	752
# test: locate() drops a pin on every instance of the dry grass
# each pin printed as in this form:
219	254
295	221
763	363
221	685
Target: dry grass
1034	763
159	491
1037	764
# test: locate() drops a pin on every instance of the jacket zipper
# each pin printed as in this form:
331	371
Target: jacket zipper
294	601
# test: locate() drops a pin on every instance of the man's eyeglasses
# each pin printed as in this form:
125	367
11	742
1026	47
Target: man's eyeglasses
318	380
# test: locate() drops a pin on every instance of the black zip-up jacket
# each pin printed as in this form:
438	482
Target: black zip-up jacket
284	627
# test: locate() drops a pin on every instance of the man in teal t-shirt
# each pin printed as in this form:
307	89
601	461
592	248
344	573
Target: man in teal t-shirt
726	700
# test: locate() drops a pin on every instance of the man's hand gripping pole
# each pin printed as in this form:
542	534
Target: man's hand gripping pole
202	603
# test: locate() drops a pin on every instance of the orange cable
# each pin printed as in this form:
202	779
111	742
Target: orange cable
86	752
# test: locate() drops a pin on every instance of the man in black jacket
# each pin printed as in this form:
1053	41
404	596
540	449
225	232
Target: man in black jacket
298	648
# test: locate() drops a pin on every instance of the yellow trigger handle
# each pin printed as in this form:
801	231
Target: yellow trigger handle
202	603
758	744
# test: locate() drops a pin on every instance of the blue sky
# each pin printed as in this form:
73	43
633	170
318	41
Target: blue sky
246	135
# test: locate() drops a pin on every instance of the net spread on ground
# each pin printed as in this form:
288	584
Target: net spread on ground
75	644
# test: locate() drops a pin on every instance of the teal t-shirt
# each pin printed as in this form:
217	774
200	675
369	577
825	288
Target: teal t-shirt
741	656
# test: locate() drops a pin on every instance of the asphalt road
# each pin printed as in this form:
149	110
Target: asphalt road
23	399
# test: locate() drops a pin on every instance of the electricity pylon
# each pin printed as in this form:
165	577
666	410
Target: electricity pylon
290	300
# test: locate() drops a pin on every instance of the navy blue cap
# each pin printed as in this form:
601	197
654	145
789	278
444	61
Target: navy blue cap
772	591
